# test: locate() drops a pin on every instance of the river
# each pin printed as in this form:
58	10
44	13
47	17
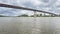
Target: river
29	25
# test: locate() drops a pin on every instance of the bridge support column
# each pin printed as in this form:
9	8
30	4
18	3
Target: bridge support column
35	14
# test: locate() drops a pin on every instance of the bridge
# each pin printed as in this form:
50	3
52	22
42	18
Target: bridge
24	8
36	24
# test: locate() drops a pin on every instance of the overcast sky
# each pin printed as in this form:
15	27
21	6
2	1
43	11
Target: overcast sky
45	5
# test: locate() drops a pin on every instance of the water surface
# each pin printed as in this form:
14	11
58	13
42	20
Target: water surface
29	25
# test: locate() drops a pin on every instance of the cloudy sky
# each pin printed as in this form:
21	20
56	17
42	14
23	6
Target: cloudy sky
45	5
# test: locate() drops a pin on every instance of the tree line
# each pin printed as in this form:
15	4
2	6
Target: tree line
37	15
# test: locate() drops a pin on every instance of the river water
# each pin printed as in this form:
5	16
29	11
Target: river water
29	25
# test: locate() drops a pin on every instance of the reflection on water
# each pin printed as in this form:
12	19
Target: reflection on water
27	25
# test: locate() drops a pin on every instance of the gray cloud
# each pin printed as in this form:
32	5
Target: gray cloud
41	4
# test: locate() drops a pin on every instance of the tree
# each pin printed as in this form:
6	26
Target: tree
23	15
1	16
52	15
40	14
59	15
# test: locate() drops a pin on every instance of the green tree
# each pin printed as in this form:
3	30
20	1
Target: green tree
40	14
23	15
59	15
52	15
1	16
